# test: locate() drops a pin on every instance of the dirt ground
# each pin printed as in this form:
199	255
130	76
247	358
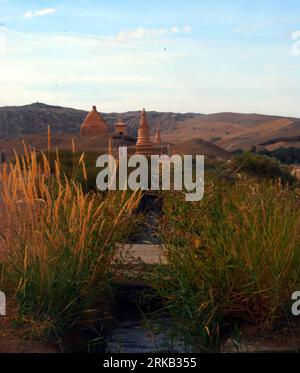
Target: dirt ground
13	339
251	339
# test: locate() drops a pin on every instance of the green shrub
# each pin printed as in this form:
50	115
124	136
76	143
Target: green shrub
233	256
262	167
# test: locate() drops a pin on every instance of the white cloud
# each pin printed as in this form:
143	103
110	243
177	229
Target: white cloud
39	13
69	40
142	33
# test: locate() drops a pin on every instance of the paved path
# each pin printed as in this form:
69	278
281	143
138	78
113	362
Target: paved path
148	254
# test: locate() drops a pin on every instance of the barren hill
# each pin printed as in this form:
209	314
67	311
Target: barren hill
35	118
238	131
199	146
230	131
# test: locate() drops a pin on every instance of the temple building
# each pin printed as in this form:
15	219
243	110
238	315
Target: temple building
94	125
121	129
144	144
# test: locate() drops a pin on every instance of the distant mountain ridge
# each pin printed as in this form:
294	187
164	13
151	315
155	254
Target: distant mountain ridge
35	118
228	130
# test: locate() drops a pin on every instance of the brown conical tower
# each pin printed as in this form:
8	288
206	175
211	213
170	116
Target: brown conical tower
144	144
157	136
94	125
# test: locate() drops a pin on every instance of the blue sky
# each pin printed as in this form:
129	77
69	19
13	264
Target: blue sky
171	55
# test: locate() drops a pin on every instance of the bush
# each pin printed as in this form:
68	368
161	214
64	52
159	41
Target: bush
233	256
261	166
60	244
284	155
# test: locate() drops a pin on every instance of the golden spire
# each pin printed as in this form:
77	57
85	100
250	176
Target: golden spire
143	132
143	122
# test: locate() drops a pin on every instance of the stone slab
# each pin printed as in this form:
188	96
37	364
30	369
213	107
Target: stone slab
148	254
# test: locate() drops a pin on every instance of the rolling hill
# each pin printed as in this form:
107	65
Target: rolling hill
35	118
229	131
233	131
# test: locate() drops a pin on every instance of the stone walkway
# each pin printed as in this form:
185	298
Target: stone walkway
148	254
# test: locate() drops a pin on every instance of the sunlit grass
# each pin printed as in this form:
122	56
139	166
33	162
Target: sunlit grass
233	256
59	243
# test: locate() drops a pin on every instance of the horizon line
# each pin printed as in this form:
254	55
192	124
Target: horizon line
153	110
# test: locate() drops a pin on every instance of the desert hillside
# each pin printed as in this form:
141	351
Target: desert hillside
233	131
200	146
229	131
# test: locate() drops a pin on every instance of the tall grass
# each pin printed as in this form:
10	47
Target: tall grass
71	162
58	246
233	256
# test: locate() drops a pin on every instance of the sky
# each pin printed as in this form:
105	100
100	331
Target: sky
172	55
